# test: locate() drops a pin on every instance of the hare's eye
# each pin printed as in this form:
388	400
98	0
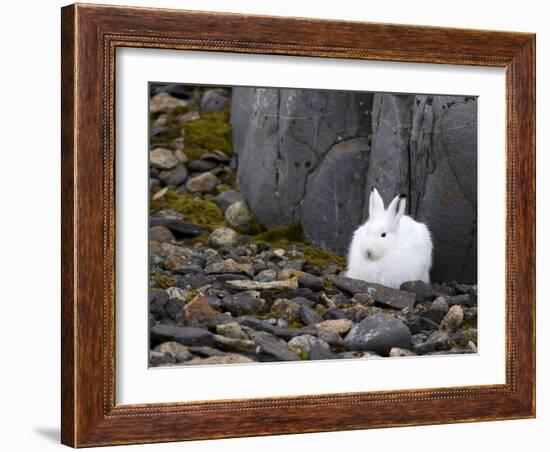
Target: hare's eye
383	234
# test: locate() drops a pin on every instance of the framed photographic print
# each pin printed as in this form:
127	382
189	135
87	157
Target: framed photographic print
281	225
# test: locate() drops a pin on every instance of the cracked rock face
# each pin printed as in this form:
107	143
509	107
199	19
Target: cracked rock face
311	157
282	136
426	147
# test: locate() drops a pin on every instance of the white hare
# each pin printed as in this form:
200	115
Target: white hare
390	248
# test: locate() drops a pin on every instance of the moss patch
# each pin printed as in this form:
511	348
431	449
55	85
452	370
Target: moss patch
210	132
320	258
319	309
295	324
198	211
255	228
281	236
192	293
202	239
163	280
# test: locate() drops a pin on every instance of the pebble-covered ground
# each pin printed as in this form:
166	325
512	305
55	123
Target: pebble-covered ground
224	289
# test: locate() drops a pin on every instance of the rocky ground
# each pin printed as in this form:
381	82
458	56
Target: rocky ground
224	289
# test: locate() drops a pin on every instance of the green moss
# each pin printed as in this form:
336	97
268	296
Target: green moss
255	228
192	293
469	324
228	181
163	280
295	324
319	309
198	211
320	258
194	240
281	236
303	355
266	316
180	111
209	132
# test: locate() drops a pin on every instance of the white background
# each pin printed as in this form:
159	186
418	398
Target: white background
29	387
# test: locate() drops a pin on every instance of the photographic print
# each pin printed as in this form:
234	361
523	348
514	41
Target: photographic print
291	224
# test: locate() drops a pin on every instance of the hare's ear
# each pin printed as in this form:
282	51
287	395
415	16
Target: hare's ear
376	204
397	207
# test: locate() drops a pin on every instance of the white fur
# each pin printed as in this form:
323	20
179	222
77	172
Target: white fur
404	254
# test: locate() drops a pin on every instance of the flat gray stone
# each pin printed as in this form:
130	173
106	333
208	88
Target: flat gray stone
186	335
379	334
385	296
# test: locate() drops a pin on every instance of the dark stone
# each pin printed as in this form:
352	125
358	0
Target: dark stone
272	349
206	350
226	198
378	333
287	333
272	256
382	295
173	309
191	269
201	165
160	234
157	301
175	90
160	359
179	228
243	303
272	295
262	247
216	156
417	323
340	299
356	313
434	315
311	282
437	341
258	267
186	335
194	281
174	176
304	302
334	313
423	291
156	131
213	101
308	316
444	289
318	352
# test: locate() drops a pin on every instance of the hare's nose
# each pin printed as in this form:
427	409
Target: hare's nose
369	254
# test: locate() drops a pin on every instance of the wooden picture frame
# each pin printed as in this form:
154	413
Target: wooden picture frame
90	36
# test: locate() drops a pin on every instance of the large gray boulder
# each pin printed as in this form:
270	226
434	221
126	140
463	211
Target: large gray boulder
331	207
282	136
